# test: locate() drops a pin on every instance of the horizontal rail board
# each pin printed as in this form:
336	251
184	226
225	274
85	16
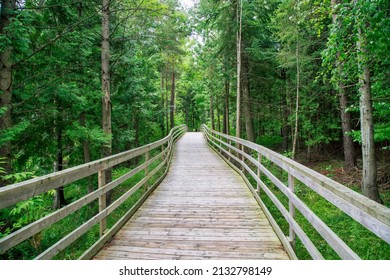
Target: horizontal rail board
333	240
26	232
311	248
180	212
275	226
70	238
9	195
368	213
365	204
17	192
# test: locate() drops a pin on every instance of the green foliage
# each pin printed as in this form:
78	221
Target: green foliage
56	97
351	232
269	140
13	133
2	170
94	135
372	17
25	212
18	177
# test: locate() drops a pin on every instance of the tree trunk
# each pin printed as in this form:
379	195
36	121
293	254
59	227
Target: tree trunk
239	29
106	102
225	128
7	7
369	182
212	112
294	146
246	101
59	200
349	149
285	113
166	101
218	117
162	104
172	107
136	128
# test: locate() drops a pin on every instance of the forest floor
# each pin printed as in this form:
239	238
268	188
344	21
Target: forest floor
334	169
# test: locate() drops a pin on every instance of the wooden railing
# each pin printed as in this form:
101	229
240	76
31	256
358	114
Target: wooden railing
245	156
9	195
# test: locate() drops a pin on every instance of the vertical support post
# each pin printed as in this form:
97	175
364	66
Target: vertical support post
102	201
230	150
242	158
291	185
220	145
169	151
258	172
146	185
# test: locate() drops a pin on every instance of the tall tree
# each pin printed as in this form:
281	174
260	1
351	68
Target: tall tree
239	45
348	145
246	101
295	137
226	123
106	99
172	102
369	181
7	12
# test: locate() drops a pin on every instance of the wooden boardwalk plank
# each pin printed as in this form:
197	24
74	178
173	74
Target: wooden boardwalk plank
202	210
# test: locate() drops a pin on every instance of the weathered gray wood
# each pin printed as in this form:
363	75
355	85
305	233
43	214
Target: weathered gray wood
286	244
333	240
337	244
98	245
313	251
198	210
259	156
368	220
146	171
26	232
9	195
35	227
102	202
370	214
291	186
74	235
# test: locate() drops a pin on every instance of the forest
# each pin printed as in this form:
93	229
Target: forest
82	80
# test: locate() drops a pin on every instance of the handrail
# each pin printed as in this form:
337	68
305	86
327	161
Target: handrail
12	194
373	216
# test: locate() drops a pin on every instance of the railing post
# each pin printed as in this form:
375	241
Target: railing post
146	185
258	172
102	201
230	150
291	185
220	144
242	148
169	150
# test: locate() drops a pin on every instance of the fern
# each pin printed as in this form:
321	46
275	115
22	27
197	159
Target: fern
2	170
18	177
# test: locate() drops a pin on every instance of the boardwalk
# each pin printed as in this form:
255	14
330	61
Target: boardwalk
202	210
